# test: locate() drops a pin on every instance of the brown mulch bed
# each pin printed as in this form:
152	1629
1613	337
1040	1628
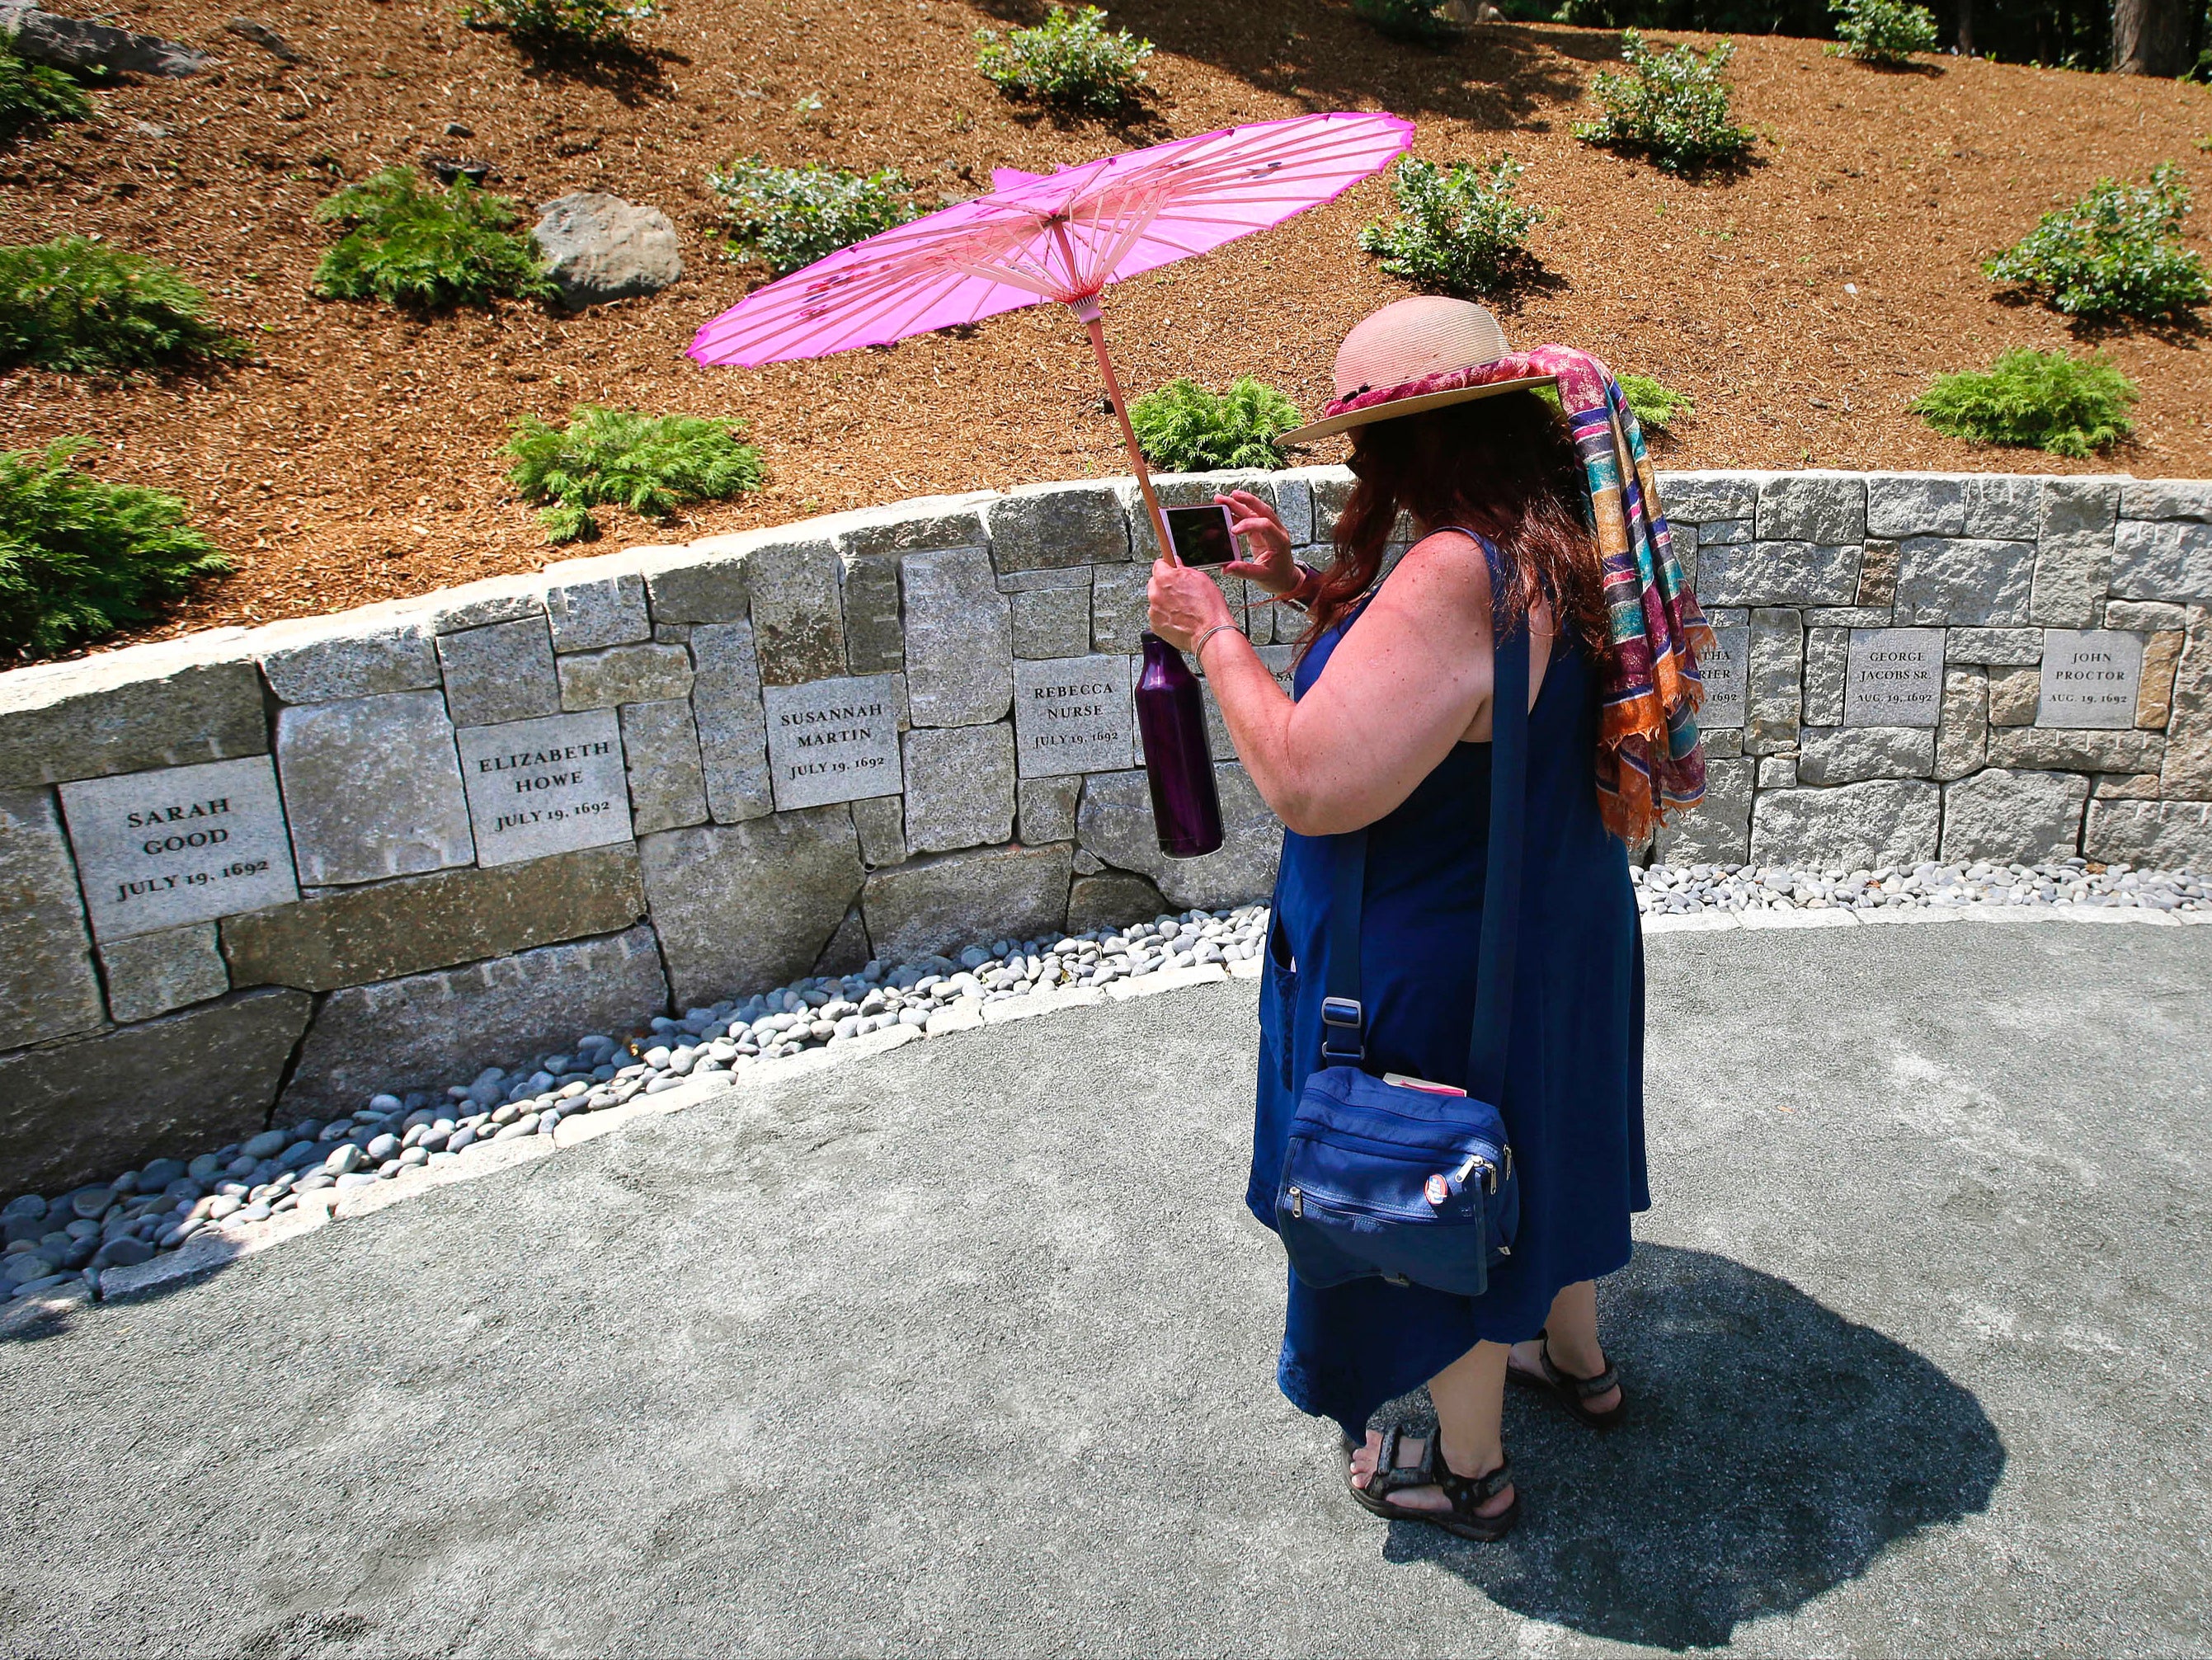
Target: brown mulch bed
356	460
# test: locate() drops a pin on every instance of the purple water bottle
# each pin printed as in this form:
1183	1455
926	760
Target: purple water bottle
1178	760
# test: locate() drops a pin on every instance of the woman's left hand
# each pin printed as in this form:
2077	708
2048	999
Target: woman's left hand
1185	603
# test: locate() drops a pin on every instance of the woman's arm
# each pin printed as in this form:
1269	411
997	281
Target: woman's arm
1401	689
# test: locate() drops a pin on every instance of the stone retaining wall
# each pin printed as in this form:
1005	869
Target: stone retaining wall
259	874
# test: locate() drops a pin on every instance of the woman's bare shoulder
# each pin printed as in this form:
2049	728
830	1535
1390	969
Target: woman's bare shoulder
1445	565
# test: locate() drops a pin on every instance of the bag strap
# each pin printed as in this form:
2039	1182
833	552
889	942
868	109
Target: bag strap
1343	1018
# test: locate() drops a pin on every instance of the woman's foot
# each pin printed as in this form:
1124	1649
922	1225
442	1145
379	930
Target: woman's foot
1410	1452
1525	1363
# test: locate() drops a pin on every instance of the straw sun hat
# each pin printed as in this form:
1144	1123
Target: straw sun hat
1409	347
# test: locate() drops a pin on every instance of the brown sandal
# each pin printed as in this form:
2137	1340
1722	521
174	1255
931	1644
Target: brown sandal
1570	1390
1467	1494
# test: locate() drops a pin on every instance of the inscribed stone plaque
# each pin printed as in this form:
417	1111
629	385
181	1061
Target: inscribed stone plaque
1894	678
833	740
1074	715
546	786
181	844
1723	669
2090	678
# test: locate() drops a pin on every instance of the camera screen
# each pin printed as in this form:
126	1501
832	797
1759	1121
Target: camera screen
1201	535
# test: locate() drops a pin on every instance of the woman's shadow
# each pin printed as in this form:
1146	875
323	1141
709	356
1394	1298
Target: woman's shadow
1776	1450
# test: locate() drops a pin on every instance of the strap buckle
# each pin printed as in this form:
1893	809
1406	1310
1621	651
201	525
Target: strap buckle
1339	1016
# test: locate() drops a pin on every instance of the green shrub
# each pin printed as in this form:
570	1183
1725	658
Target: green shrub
33	96
1457	232
787	217
1656	406
1070	59
648	463
2112	253
410	247
1405	20
1183	428
80	558
1883	31
84	307
2041	400
1672	106
585	25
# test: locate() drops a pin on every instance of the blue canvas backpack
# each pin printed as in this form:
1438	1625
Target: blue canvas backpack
1385	1179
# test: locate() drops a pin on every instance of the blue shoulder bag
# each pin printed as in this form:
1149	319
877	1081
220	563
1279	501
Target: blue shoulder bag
1382	1179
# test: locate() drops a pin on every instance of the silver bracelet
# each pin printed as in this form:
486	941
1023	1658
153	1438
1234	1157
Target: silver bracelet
1198	645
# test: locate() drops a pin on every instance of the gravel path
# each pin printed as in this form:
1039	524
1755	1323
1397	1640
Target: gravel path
968	1347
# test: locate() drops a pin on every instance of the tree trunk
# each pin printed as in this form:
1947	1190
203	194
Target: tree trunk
2150	37
1966	28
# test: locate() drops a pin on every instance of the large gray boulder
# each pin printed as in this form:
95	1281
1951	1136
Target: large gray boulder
71	43
598	248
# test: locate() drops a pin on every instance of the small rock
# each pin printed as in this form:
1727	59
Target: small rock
91	1202
598	248
526	1125
414	1157
20	1268
125	1253
265	38
344	1161
446	168
384	1147
69	43
358	1179
267	1145
455	130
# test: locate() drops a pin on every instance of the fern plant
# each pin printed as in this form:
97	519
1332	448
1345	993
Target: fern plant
2111	254
789	217
86	309
80	558
649	463
2034	399
1656	407
1457	232
1183	428
1071	59
1671	106
410	247
34	95
1885	33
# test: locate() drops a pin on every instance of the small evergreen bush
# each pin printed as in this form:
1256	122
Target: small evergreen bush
579	25
33	96
80	558
86	309
1183	428
1420	20
1882	32
2112	253
410	247
648	463
2035	399
1071	59
1672	106
1656	407
787	217
1457	232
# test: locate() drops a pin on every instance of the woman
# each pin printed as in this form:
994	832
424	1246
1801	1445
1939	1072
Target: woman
1389	730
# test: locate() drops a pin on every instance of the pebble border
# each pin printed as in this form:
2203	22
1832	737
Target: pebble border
172	1219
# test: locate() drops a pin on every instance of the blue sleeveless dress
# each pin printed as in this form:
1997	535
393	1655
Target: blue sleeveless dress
1574	1087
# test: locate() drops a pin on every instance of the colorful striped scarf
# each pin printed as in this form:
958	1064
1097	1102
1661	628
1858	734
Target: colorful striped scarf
1649	761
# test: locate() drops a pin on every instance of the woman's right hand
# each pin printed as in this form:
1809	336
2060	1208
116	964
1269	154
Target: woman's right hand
1260	529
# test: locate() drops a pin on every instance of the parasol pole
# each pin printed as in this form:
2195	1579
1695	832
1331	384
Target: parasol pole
1086	308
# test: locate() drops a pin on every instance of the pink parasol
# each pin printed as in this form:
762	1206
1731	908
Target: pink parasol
1061	236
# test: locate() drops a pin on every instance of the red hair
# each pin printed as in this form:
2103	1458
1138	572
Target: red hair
1503	465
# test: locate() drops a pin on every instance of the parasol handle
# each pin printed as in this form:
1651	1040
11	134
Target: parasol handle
1087	309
